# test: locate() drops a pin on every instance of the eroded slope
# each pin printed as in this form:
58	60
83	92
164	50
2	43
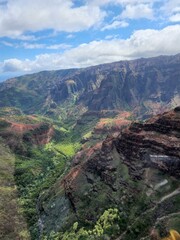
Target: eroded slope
136	172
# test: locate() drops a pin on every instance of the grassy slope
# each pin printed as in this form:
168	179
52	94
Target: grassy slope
12	222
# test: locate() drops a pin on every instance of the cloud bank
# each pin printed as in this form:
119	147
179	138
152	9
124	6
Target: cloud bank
142	43
61	34
20	16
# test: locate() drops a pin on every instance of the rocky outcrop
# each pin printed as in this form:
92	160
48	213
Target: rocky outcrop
40	135
155	142
112	125
17	134
138	171
152	144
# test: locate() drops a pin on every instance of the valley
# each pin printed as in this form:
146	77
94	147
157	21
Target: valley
92	153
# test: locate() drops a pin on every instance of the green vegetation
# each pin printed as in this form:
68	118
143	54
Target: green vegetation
87	135
84	126
38	171
35	168
39	167
107	226
10	111
3	124
66	149
12	222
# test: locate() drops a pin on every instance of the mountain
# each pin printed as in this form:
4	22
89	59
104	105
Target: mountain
79	163
146	85
135	174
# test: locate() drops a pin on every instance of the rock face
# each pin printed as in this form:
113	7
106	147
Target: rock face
156	143
16	134
138	172
143	84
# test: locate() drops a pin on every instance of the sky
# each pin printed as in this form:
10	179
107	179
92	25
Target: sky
38	35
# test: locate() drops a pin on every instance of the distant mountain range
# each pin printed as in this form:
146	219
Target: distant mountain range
143	85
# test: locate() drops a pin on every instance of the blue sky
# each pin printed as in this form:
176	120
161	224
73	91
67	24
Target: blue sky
40	35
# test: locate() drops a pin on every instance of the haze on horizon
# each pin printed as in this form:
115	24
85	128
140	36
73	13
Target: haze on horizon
40	35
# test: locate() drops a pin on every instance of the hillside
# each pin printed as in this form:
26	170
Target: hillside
136	174
12	222
144	85
83	158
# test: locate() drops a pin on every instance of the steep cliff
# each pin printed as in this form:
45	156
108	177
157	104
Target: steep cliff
137	172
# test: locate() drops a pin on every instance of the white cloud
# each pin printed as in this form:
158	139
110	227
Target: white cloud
69	36
20	16
43	46
32	46
175	18
171	6
137	11
171	10
27	45
8	44
115	24
113	36
59	46
119	2
142	43
25	37
14	65
130	9
166	10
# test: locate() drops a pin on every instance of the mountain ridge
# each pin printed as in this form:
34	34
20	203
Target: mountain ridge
120	85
